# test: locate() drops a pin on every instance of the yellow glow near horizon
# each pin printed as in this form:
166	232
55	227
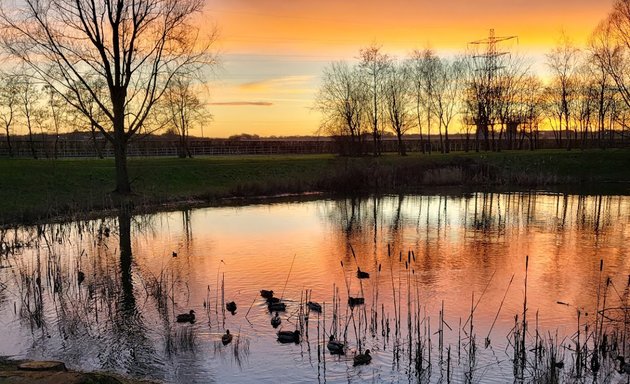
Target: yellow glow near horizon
273	51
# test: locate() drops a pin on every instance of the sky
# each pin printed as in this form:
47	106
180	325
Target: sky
272	52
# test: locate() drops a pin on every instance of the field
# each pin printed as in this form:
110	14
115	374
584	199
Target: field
32	190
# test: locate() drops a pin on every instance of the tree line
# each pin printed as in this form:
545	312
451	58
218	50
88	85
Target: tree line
493	98
123	68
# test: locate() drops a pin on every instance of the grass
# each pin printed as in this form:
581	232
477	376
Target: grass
32	190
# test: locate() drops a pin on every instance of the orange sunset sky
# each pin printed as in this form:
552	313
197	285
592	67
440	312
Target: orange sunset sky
272	52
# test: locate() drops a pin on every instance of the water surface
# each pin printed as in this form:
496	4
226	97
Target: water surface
468	251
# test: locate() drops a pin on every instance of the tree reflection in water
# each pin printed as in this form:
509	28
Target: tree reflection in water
121	316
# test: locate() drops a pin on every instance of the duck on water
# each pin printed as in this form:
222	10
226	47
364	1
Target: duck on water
362	358
227	337
186	317
335	347
289	336
231	306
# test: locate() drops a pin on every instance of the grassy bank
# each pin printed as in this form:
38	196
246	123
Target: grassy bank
40	189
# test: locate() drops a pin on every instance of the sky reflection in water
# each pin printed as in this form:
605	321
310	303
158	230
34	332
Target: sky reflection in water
121	317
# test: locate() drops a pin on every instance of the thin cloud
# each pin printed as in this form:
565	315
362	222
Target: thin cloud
276	83
243	103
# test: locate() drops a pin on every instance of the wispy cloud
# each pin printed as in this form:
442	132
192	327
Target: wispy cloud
276	83
243	103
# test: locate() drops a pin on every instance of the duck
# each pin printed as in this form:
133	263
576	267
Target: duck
623	366
186	317
277	307
80	277
289	337
313	306
276	320
361	274
231	306
335	347
352	301
266	294
362	358
174	254
227	337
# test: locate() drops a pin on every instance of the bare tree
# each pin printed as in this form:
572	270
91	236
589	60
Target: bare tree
511	78
9	104
529	109
602	82
342	100
563	63
57	113
134	47
399	102
480	98
30	108
184	109
586	100
424	66
374	64
449	76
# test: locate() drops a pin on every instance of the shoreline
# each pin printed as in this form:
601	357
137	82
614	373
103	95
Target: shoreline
79	189
55	372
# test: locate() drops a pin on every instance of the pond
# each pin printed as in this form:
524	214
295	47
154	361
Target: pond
481	287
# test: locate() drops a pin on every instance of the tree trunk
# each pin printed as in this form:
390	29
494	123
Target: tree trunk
31	142
441	140
122	176
9	147
99	153
401	146
447	148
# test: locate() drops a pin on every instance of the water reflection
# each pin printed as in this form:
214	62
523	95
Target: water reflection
104	294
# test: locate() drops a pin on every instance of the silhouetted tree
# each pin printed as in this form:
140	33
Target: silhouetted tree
447	89
31	111
57	109
342	100
424	72
563	63
374	63
398	102
184	109
9	100
529	109
134	47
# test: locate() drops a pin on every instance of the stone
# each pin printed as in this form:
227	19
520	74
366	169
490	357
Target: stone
50	365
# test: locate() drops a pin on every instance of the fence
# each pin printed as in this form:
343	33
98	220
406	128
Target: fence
64	147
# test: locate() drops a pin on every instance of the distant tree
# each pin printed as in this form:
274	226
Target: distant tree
446	95
480	99
9	104
586	101
30	108
133	47
529	109
510	80
184	109
374	64
563	63
424	66
342	100
601	80
399	102
58	116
